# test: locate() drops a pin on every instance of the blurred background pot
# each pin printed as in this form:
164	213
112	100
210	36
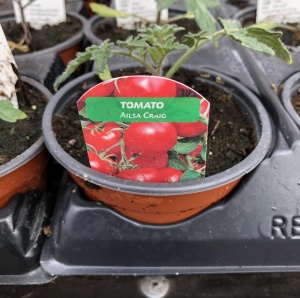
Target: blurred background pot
159	203
291	89
6	8
28	170
45	65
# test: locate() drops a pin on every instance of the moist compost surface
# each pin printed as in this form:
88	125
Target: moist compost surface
15	138
296	101
44	38
238	3
231	134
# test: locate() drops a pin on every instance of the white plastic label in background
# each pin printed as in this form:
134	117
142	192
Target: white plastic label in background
279	11
42	12
145	9
8	78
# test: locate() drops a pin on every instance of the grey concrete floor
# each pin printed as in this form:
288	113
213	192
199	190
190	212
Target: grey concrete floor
277	285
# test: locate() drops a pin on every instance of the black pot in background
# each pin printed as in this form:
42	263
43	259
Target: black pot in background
6	9
274	68
290	86
47	64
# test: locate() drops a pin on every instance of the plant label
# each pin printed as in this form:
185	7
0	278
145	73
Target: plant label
8	78
40	12
278	11
145	128
140	11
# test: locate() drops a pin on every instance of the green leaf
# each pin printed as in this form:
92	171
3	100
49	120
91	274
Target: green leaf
258	39
133	43
186	145
108	12
203	17
71	67
162	4
263	41
175	162
191	38
204	151
190	175
99	54
161	41
211	3
266	25
230	25
271	39
9	113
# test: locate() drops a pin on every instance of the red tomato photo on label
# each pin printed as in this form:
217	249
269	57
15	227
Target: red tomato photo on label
141	175
156	161
170	175
147	138
102	138
105	166
190	129
144	86
104	89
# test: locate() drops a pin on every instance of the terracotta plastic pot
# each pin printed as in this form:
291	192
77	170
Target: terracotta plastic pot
159	203
291	85
28	170
46	63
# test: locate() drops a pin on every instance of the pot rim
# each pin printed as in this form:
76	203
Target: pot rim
59	47
290	86
36	147
159	189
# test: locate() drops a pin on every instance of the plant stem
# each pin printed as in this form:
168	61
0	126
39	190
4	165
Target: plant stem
182	59
22	86
158	18
149	67
178	17
141	18
190	52
26	29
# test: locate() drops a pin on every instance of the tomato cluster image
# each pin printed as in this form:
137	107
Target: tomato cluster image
160	152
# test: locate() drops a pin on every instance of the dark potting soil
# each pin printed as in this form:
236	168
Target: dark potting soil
296	101
238	3
44	38
231	134
15	138
289	38
107	29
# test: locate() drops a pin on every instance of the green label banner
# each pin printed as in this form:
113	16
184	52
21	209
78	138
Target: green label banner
119	109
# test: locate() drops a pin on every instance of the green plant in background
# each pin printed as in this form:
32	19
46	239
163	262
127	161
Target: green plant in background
23	44
153	44
196	9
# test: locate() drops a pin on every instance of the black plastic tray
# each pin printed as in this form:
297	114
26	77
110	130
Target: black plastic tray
21	241
256	229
